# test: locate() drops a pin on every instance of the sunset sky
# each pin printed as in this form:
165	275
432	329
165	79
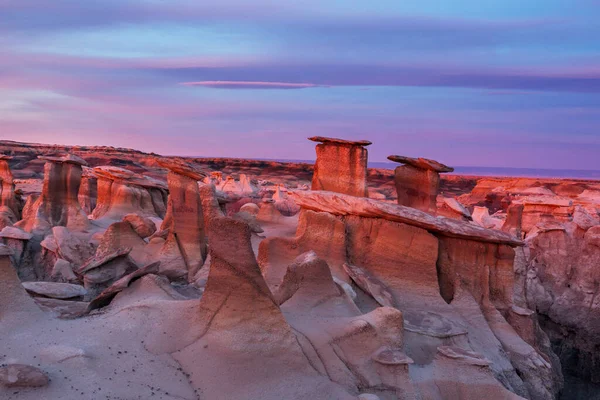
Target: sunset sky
509	83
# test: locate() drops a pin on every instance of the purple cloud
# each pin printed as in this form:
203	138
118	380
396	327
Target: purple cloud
250	85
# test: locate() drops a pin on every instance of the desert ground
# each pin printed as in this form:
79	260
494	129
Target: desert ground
131	275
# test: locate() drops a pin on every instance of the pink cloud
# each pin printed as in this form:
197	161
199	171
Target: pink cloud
251	85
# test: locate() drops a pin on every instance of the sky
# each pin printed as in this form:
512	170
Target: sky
507	83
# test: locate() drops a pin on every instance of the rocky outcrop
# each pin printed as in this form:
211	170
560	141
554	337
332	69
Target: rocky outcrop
339	204
418	182
122	192
341	166
58	204
452	280
236	308
184	251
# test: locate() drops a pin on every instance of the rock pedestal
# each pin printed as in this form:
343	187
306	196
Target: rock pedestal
58	204
8	198
418	182
184	251
341	166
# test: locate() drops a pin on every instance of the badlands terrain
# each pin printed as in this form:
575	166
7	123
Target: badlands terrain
128	275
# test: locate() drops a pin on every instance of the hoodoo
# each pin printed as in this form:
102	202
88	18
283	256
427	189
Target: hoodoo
341	166
418	182
186	240
58	204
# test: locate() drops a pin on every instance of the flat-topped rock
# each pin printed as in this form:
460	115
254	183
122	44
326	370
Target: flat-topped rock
182	167
342	204
341	166
328	140
421	163
55	290
12	232
68	158
126	176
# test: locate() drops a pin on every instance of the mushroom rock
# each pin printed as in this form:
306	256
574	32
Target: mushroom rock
449	207
242	333
15	303
341	166
101	271
122	192
143	226
8	197
418	182
184	251
88	190
58	204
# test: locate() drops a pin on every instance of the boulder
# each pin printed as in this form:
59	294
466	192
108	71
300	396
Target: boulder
22	376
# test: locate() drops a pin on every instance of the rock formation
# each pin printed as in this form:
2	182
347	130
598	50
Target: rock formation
58	204
236	309
8	199
184	251
341	166
418	182
439	272
122	192
88	190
